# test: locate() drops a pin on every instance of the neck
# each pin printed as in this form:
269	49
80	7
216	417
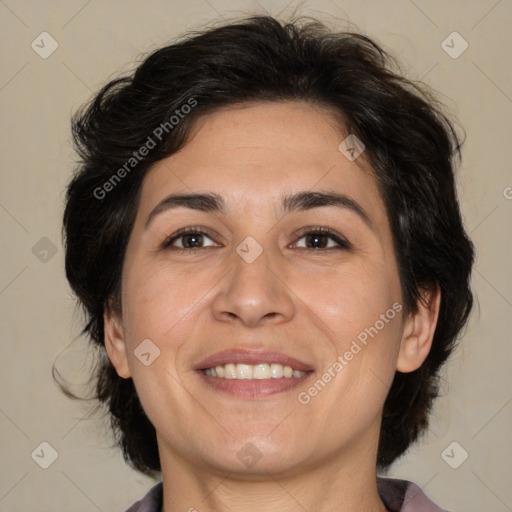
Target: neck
326	487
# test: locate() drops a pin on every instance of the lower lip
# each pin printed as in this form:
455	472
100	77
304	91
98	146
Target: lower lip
254	388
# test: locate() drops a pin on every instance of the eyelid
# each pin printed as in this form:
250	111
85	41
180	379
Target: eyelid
342	242
185	231
337	237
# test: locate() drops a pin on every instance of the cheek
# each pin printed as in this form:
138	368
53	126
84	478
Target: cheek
155	301
352	298
360	308
159	305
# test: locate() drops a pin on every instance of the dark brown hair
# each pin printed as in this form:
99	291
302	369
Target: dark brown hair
411	146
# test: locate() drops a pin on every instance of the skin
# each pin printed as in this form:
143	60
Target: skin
307	302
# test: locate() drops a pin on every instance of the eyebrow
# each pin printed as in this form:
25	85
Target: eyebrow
299	201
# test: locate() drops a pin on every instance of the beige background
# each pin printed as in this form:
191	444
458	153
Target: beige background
97	39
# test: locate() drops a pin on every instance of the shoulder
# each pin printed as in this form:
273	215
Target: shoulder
404	496
150	502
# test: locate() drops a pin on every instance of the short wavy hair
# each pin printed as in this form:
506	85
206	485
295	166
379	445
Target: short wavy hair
411	146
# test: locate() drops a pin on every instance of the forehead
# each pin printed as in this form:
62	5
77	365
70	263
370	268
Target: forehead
252	154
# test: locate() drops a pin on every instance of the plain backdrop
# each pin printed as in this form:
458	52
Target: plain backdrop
99	39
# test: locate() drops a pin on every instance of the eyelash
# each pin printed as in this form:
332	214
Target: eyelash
310	230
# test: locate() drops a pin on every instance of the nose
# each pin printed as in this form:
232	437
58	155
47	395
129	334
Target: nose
254	293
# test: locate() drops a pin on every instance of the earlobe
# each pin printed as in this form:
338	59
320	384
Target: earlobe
419	331
115	343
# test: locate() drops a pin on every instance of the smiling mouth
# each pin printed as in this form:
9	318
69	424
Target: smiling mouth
261	371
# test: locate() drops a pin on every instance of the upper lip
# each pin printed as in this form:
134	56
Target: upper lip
245	356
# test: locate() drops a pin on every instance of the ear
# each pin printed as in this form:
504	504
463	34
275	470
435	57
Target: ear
115	343
419	331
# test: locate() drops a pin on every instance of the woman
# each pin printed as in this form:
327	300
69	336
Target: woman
265	236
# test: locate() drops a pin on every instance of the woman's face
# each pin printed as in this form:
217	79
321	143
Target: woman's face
258	279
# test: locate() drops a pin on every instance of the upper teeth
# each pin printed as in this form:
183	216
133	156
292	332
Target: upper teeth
249	371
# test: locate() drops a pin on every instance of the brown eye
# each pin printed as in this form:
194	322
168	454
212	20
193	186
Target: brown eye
318	238
315	238
187	239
